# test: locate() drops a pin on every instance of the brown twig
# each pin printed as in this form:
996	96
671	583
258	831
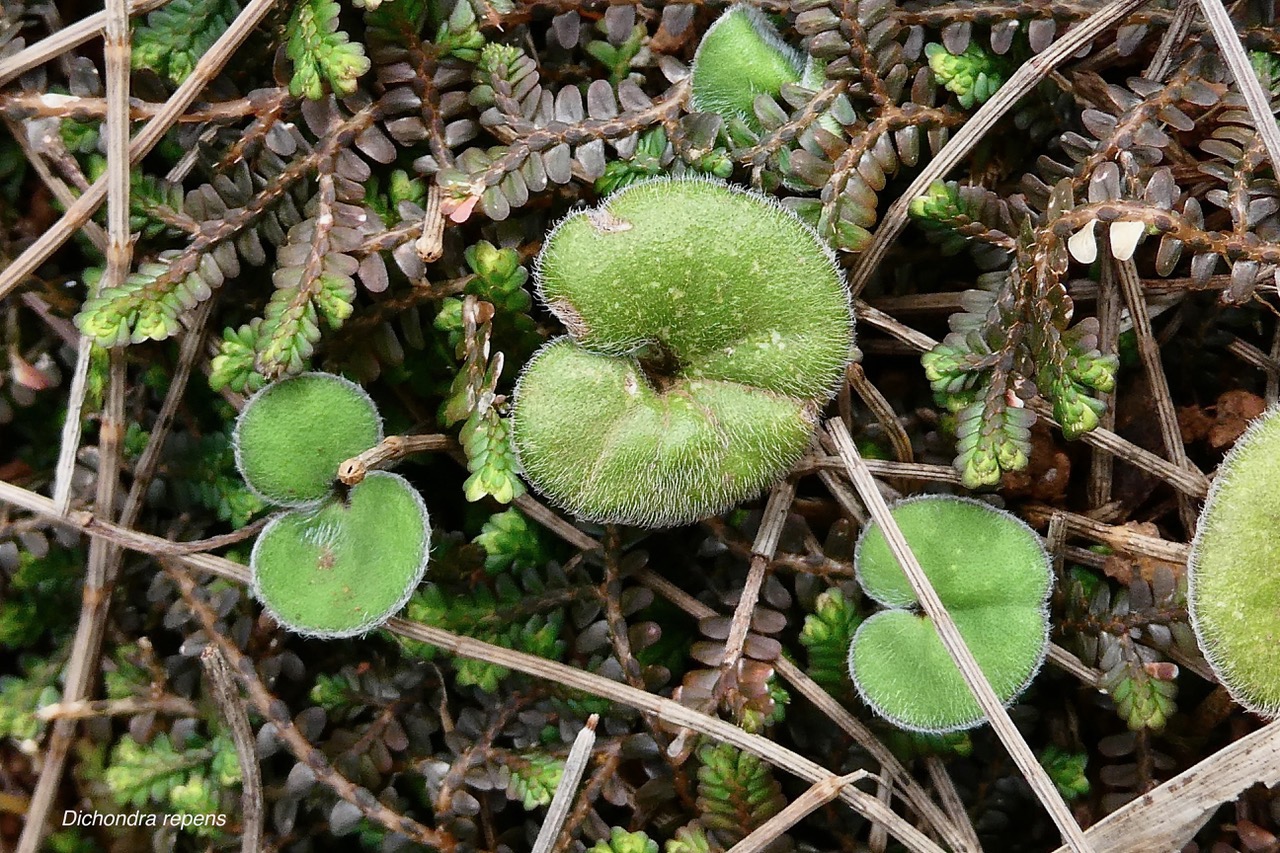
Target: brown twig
818	795
762	550
278	713
570	777
391	449
65	39
85	709
837	713
1126	275
99	576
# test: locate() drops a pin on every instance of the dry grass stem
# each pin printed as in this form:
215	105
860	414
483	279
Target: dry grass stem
1166	817
1232	51
1126	275
66	39
762	550
1189	482
574	766
1101	462
227	697
1121	538
83	666
950	797
85	708
819	794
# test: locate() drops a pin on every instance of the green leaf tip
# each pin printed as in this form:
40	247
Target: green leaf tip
1232	584
292	435
322	53
742	55
346	567
994	577
707	325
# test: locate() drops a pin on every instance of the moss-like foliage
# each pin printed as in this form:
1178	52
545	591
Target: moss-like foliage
347	566
973	76
706	327
1233	585
742	56
993	576
292	436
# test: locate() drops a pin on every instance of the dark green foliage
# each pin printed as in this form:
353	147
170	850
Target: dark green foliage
534	778
909	745
460	36
22	696
188	778
41	596
205	475
1066	769
646	162
973	76
617	58
176	35
736	791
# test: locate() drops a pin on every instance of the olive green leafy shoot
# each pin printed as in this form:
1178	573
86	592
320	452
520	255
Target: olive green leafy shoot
1232	583
339	564
707	326
993	575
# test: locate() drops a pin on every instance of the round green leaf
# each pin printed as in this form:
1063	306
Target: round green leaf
292	435
347	566
707	326
1233	584
993	576
741	56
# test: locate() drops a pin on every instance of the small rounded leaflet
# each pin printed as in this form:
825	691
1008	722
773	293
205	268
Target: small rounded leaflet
994	577
293	434
742	56
346	566
707	326
1233	586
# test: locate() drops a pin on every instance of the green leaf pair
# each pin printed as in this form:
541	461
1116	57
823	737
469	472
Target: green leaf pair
707	326
993	576
338	564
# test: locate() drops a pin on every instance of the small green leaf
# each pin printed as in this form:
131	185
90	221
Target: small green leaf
292	435
176	35
322	53
311	569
